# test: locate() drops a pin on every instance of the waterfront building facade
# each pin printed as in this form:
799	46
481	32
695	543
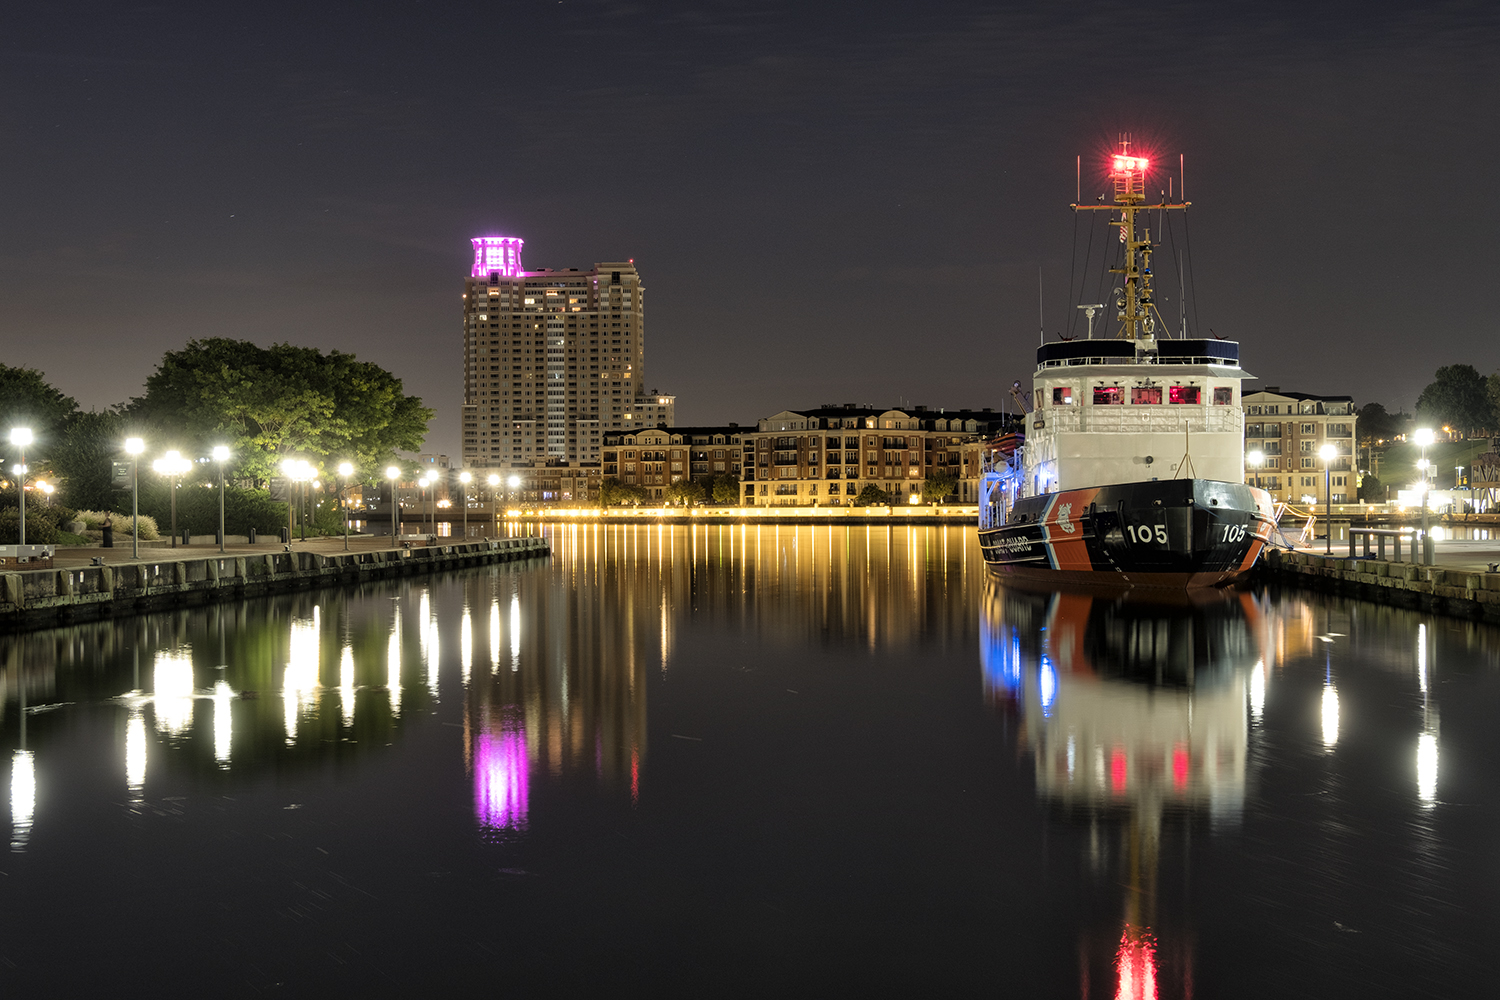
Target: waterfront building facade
1289	430
552	360
827	456
655	458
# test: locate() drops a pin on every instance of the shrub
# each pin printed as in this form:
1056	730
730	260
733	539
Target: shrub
95	521
39	529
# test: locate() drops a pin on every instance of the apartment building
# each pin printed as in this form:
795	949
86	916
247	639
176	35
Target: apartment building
552	360
1289	429
655	458
826	456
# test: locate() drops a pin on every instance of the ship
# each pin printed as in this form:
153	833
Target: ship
1131	472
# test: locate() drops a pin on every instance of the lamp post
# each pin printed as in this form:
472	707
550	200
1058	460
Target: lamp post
1423	437
422	483
172	465
1328	452
494	482
1257	459
221	455
133	448
345	471
21	437
392	473
464	478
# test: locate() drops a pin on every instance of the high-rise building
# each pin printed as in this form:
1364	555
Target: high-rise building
552	359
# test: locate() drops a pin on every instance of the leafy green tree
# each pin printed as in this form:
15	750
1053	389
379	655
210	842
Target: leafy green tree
27	399
1458	397
270	403
937	486
83	455
1371	490
1375	424
726	489
686	492
873	496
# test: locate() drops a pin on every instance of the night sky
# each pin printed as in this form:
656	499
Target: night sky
828	202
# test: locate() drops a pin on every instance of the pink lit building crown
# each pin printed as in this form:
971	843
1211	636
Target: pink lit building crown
497	254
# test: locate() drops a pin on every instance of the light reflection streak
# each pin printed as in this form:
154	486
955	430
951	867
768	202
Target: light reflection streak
1135	964
501	775
466	644
172	688
135	755
1422	657
299	685
223	725
1258	690
393	664
495	637
22	798
346	686
1427	768
515	632
1330	716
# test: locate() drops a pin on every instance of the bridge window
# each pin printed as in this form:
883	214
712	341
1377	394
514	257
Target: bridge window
1062	397
1108	395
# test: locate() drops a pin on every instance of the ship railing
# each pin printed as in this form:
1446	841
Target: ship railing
1149	417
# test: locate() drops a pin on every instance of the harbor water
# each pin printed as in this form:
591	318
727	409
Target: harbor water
752	760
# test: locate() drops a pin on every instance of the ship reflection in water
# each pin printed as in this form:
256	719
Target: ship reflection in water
1134	713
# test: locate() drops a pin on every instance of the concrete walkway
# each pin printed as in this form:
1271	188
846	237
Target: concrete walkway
75	556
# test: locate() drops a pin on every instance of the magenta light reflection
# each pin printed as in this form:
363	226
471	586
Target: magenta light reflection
497	254
501	773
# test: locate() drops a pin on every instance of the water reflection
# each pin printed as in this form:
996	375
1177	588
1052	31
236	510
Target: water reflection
1134	713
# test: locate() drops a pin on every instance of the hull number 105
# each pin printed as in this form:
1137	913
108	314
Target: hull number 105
1146	534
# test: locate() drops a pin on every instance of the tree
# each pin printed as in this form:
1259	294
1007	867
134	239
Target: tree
937	486
873	496
27	399
269	403
686	492
726	489
1375	424
1457	397
83	456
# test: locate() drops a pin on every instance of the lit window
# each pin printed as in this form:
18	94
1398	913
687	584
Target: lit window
1145	395
1183	394
1062	397
1108	395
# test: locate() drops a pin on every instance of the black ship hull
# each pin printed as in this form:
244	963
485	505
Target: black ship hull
1173	534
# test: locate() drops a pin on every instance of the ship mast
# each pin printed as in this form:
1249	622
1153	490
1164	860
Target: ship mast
1135	304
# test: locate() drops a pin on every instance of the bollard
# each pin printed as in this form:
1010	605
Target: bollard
187	536
252	536
286	536
1427	547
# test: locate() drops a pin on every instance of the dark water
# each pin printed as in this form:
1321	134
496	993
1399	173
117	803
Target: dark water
752	761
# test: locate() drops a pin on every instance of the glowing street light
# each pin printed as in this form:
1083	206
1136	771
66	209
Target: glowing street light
221	455
172	465
392	473
465	478
133	448
1257	459
21	437
1423	437
346	470
1328	453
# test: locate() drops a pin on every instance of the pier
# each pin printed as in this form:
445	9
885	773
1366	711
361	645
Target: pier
168	577
1461	583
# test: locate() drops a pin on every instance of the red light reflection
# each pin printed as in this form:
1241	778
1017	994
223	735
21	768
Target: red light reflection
1179	767
1118	770
1135	965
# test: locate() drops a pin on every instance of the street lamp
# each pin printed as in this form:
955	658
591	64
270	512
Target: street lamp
172	465
1423	437
221	455
345	471
464	479
423	483
494	482
392	473
1257	459
1328	452
21	437
133	448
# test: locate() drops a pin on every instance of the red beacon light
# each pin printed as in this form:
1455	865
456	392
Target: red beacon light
1130	164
